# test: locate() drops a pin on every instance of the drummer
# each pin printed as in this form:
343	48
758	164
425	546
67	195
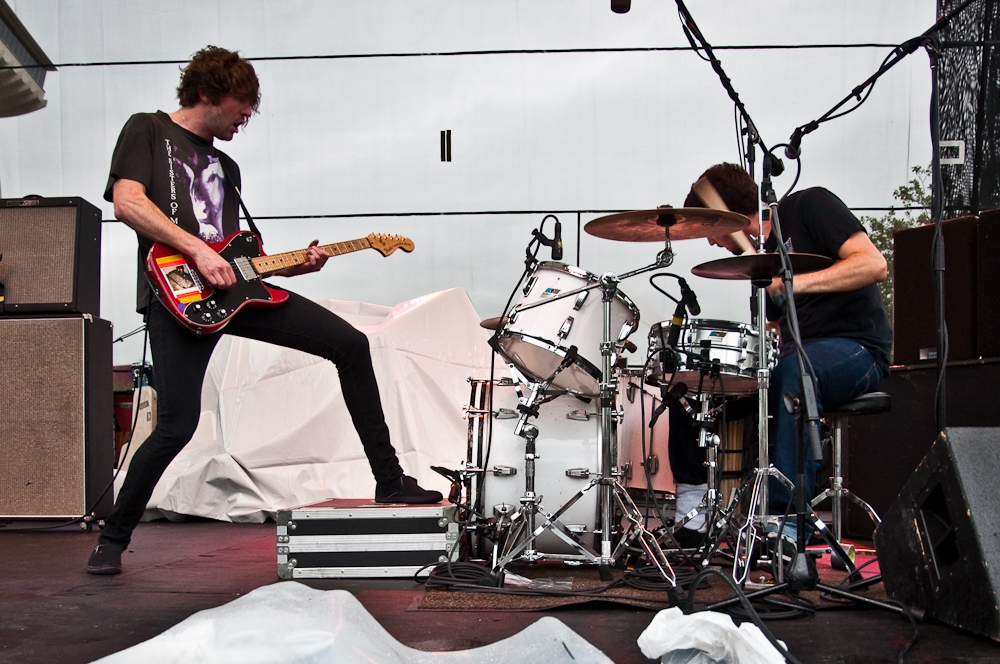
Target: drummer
843	325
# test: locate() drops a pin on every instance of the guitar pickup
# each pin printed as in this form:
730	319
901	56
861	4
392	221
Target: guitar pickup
245	268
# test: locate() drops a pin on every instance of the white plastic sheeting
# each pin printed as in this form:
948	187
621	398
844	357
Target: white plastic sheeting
289	622
707	637
275	432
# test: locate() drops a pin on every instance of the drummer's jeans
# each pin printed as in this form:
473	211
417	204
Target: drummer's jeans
181	360
844	370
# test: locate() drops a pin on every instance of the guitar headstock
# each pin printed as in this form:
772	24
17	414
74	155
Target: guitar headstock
386	244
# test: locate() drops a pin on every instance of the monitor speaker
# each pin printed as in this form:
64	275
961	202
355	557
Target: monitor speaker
57	439
51	256
939	543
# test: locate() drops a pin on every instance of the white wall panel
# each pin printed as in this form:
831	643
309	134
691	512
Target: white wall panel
566	131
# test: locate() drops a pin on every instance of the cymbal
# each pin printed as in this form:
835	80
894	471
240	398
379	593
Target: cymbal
759	266
493	323
650	225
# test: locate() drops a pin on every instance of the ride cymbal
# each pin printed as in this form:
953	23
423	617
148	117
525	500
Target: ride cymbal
653	225
759	266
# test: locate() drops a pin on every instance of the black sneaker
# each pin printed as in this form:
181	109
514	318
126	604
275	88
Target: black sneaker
688	538
404	489
106	559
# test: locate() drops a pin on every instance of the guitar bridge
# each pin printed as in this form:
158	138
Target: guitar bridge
245	268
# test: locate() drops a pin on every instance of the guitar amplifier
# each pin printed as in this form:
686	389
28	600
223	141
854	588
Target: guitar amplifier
362	539
51	256
56	423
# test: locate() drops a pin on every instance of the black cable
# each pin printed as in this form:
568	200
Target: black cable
429	54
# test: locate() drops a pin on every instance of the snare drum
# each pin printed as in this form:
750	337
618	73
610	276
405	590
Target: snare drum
537	340
734	345
567	458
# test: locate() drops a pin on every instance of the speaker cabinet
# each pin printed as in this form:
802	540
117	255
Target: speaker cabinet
914	326
57	436
51	256
939	544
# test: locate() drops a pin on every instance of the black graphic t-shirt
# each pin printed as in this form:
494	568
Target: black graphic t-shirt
184	176
815	221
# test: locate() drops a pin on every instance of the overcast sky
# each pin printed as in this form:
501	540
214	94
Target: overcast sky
530	131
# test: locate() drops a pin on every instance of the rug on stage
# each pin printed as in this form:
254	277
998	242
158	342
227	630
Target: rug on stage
559	585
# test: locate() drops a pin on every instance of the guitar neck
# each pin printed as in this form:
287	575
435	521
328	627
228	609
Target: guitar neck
268	265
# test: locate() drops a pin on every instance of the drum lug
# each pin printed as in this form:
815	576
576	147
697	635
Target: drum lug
504	471
580	415
531	284
620	414
652	464
506	414
580	473
627	470
566	327
580	299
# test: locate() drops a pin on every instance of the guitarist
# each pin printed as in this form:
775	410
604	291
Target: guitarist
170	184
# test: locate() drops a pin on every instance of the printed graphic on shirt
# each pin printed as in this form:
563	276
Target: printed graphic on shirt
199	178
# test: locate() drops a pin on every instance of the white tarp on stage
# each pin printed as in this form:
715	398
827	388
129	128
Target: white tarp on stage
275	432
292	623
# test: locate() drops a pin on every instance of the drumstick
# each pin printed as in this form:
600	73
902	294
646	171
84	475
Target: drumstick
704	190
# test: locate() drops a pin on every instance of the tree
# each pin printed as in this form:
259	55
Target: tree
914	194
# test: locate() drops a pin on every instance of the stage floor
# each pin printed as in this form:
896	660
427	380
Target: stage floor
53	611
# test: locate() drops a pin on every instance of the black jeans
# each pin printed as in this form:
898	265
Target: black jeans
181	359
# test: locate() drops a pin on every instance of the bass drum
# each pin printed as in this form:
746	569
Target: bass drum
638	401
537	340
567	441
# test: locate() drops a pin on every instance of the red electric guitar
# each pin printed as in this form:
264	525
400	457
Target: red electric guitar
197	305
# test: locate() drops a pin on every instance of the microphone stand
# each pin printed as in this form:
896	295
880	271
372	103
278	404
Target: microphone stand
928	39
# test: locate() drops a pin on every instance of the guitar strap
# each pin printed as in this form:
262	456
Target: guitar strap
239	199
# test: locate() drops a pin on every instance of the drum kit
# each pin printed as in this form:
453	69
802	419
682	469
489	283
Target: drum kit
554	430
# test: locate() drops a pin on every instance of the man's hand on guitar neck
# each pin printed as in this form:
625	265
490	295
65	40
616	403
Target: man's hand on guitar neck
316	258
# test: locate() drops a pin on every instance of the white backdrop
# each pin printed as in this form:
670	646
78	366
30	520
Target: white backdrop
569	131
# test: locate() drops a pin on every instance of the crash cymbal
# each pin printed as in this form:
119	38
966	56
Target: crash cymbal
493	323
759	266
650	225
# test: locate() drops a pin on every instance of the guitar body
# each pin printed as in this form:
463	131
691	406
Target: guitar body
196	304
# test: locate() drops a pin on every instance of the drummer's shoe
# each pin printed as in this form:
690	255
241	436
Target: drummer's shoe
688	538
404	489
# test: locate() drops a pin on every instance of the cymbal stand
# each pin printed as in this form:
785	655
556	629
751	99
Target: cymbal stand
611	488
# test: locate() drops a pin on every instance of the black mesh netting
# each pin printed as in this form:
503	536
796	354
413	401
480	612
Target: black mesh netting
969	88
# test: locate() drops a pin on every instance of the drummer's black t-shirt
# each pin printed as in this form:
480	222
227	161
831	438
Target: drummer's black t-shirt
815	221
184	175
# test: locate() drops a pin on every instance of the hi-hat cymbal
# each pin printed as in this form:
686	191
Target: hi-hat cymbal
493	323
651	225
759	266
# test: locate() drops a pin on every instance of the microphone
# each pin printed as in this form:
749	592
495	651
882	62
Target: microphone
674	333
689	298
621	6
794	147
557	245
